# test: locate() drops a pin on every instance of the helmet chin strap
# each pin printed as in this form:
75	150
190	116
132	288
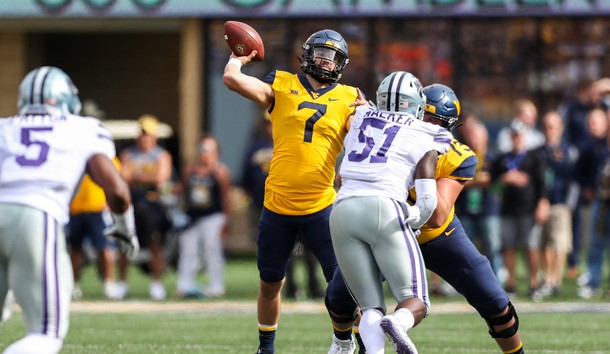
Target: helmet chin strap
323	80
314	71
456	126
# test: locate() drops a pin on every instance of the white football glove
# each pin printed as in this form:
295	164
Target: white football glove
426	201
124	230
413	216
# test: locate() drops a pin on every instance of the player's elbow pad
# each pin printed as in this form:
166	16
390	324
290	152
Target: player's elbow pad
425	189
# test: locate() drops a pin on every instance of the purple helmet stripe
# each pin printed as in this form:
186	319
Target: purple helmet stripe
33	85
42	84
393	76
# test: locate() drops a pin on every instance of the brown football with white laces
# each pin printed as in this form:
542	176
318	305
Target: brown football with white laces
243	39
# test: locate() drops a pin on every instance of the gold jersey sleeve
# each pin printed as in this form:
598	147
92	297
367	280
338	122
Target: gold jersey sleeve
308	131
90	197
459	163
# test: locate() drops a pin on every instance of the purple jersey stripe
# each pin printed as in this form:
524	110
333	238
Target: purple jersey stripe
104	136
45	309
419	280
442	140
55	265
50	275
422	275
402	217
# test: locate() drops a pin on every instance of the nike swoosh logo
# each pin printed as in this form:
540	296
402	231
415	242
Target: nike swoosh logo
333	99
447	233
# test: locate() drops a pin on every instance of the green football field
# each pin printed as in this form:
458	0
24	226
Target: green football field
203	331
564	325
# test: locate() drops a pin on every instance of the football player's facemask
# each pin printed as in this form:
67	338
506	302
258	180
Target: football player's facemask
401	92
47	87
442	104
325	55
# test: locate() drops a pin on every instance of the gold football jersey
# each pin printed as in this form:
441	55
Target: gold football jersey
459	163
308	131
90	197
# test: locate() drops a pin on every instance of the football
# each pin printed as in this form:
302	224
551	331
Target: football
243	39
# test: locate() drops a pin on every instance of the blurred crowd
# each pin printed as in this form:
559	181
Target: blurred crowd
541	192
181	219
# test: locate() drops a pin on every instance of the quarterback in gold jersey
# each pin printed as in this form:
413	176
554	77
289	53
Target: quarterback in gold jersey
446	248
310	114
308	131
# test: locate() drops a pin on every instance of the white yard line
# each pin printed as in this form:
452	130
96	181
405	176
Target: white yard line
221	306
308	307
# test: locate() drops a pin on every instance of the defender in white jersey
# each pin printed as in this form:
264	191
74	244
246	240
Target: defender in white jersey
387	150
44	152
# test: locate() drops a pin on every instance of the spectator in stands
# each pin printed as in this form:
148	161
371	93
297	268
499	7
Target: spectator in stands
599	241
561	158
595	163
256	169
521	173
147	166
574	111
591	157
207	189
526	113
477	205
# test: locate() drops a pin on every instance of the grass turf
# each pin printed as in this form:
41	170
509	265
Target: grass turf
309	333
217	331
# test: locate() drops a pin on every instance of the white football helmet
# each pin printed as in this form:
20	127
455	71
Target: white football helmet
48	86
401	92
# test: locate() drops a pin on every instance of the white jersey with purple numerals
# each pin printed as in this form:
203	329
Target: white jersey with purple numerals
44	156
382	150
